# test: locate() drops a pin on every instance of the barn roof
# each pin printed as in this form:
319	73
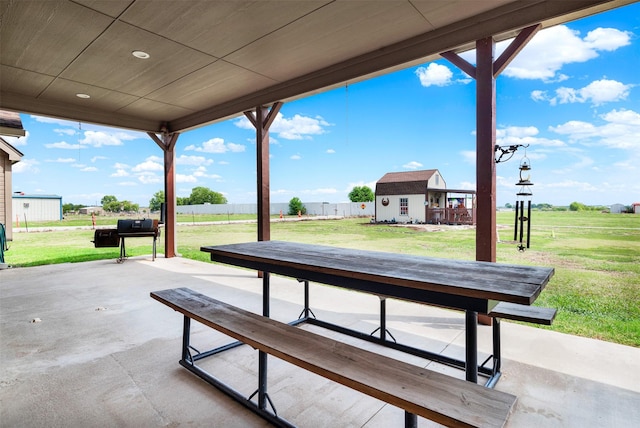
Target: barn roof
404	183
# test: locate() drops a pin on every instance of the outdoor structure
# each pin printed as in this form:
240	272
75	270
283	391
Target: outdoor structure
10	125
91	210
422	197
28	208
162	68
617	208
636	207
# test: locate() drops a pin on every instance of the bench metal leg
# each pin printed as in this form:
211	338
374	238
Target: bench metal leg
471	346
410	420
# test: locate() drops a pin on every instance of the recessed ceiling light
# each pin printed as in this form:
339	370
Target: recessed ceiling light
140	54
83	95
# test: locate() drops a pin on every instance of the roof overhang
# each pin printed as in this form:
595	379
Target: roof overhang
210	61
11	124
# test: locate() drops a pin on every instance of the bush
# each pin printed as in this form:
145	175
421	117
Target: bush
295	206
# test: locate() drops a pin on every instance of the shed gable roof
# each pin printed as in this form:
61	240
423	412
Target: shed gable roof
405	183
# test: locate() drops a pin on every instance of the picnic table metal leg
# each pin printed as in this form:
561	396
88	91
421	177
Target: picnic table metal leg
410	420
471	346
262	356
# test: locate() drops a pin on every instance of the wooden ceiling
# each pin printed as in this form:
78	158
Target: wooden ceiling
212	60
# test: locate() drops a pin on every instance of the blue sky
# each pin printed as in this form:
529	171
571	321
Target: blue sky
573	95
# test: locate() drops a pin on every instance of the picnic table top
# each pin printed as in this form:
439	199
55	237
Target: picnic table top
482	281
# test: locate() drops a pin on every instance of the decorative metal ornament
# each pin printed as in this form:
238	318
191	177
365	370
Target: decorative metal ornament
523	194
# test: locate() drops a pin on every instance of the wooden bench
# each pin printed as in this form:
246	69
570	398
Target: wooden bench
530	314
416	390
503	310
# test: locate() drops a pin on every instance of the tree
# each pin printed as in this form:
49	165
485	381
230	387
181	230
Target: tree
157	200
577	206
107	199
361	194
295	206
202	195
182	200
69	208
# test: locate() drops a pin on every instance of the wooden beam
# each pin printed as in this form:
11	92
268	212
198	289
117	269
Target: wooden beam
514	48
485	143
167	142
262	119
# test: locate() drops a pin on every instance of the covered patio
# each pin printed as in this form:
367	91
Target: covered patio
101	352
85	345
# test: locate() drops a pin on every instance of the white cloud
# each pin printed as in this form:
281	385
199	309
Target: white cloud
621	130
67	131
553	48
100	138
412	165
89	169
597	92
119	165
152	163
434	75
120	173
150	178
513	135
216	145
296	128
468	156
193	160
182	178
26	166
330	151
97	158
63	145
295	157
62	160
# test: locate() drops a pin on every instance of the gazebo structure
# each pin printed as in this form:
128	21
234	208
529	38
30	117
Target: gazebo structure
167	67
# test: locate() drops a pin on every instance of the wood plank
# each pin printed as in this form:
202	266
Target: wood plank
532	314
438	397
482	280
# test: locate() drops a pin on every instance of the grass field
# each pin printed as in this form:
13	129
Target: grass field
596	287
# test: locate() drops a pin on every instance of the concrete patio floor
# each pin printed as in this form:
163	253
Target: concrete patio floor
102	353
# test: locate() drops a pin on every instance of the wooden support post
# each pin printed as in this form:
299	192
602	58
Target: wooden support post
485	72
167	143
262	120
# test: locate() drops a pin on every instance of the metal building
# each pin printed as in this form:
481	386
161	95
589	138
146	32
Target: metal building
27	208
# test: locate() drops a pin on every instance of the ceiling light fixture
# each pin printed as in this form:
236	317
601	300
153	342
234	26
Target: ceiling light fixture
85	96
140	54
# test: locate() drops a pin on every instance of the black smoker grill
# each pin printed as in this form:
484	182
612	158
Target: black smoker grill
127	229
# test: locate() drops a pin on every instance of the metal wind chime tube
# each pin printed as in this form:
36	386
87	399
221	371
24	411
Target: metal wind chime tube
523	194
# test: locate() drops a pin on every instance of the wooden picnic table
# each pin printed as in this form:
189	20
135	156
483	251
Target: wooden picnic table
471	286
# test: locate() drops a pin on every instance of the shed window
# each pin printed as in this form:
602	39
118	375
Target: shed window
404	206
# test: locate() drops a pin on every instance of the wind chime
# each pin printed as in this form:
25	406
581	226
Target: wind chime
523	195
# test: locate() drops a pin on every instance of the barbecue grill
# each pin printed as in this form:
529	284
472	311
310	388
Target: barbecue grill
127	229
137	229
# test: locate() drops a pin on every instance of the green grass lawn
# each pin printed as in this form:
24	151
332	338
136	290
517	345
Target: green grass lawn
596	287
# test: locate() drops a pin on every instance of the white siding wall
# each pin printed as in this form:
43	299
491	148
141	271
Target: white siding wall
38	209
391	211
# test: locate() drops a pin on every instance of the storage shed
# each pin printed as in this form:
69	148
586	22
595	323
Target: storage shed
422	197
28	208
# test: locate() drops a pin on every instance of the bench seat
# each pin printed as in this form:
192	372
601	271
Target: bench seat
530	314
419	391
